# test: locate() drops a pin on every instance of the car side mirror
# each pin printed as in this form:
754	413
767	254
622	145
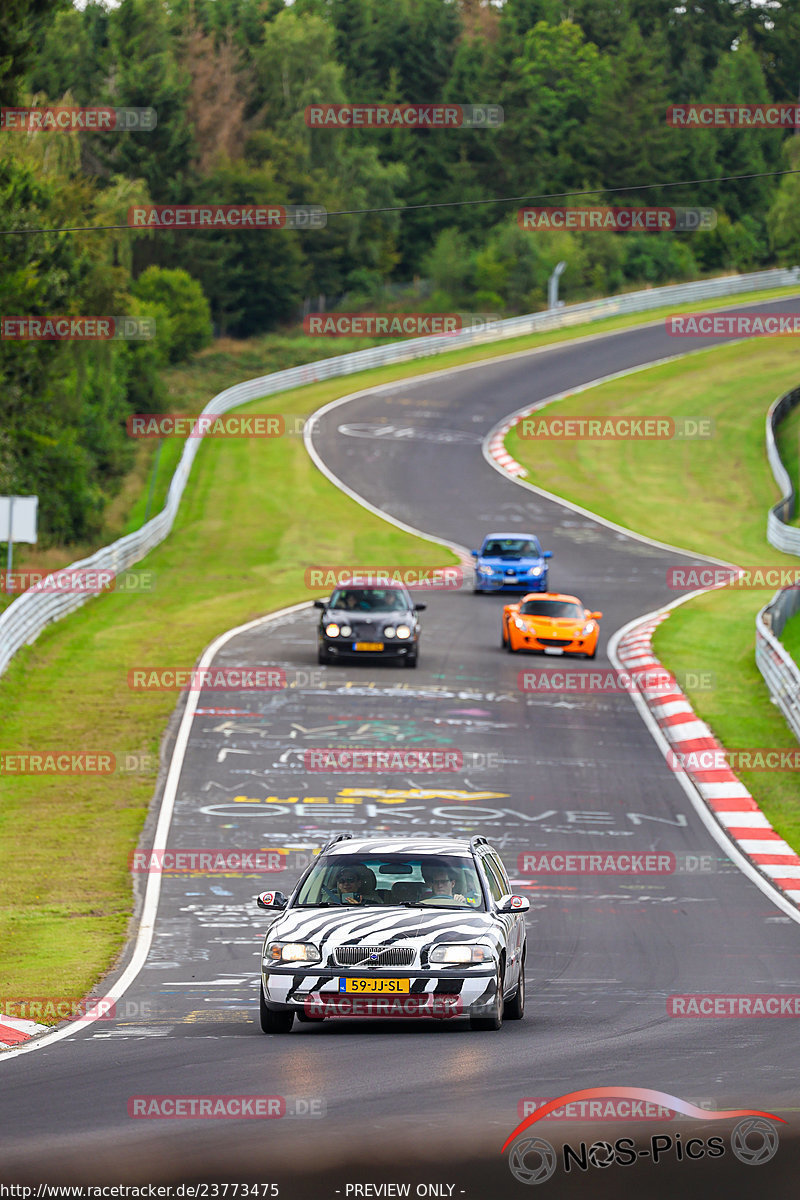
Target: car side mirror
420	607
547	554
474	553
595	616
271	900
517	904
320	604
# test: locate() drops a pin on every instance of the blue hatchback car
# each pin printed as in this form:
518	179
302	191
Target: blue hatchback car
511	561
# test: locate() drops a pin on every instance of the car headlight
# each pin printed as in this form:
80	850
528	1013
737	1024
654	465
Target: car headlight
587	629
404	631
389	631
485	570
520	624
536	571
282	952
332	630
455	953
345	630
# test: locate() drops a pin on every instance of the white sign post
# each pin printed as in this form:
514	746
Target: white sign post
17	524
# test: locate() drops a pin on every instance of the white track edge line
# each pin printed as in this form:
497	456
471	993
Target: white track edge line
144	936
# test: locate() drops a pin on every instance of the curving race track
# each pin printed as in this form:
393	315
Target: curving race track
575	772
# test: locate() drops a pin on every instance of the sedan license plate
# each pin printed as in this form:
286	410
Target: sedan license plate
368	646
374	985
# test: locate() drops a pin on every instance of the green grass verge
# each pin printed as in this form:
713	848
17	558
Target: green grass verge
65	890
257	512
710	496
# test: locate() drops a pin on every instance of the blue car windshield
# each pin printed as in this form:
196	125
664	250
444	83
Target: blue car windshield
511	548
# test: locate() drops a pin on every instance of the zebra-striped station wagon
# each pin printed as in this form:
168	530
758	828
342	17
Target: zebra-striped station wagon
417	927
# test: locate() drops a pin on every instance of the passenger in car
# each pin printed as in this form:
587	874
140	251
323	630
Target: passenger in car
355	884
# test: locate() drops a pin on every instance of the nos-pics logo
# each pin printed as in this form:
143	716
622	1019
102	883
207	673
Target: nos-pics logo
533	1160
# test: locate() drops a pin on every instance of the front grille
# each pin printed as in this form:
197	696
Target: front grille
553	641
388	956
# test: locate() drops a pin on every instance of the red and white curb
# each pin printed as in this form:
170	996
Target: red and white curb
14	1030
497	449
726	796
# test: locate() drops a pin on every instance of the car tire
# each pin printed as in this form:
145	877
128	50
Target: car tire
510	646
593	654
411	661
515	1007
495	1021
306	1019
503	639
272	1021
323	658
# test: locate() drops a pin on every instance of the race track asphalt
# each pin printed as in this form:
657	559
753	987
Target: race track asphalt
542	773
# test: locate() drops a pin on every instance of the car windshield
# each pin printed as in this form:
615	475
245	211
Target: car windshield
370	600
412	880
511	548
551	608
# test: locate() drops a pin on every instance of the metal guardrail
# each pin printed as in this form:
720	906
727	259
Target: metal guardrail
780	534
24	619
779	669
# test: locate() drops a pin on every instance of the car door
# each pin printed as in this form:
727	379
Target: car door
513	923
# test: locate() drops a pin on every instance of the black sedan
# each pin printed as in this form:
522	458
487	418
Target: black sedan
369	622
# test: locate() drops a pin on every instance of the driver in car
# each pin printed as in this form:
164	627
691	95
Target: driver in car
442	881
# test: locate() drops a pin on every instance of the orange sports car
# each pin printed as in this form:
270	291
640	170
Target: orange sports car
549	621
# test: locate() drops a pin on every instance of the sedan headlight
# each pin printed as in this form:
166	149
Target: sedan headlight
345	630
283	952
485	570
536	571
389	631
332	630
404	631
453	953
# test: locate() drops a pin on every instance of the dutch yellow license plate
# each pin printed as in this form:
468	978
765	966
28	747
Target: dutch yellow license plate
375	985
369	645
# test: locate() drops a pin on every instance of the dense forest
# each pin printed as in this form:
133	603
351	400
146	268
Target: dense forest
418	217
